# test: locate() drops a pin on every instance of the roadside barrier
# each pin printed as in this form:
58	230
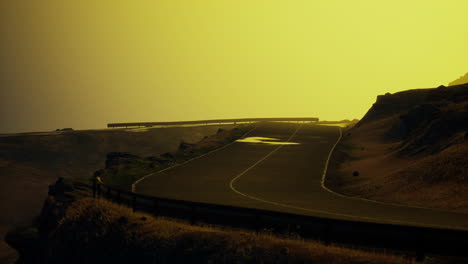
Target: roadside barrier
214	121
416	239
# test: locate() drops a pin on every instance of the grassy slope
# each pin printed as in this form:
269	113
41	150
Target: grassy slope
116	235
428	168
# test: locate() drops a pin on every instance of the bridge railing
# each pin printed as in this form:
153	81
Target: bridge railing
213	121
417	239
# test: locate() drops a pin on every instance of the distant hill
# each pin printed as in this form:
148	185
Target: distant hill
461	80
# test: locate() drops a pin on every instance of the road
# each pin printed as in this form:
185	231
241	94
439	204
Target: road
284	178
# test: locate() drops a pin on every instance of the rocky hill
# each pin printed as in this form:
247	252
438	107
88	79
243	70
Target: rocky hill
411	147
424	120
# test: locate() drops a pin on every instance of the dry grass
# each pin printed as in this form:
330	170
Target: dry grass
439	180
448	165
96	231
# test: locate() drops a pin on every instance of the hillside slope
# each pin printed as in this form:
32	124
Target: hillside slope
411	148
30	162
75	228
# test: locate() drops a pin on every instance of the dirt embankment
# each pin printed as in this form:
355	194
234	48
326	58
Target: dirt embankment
410	148
30	162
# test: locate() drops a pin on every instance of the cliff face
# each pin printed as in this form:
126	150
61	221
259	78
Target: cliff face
425	120
32	241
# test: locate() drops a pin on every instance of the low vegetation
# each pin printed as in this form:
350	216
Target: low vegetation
97	231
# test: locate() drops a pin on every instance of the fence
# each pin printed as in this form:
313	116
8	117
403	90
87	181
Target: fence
420	240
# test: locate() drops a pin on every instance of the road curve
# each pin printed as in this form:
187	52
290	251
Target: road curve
286	178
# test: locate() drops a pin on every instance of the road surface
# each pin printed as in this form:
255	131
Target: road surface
284	178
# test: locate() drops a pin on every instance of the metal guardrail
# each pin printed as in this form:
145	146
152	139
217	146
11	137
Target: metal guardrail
213	121
420	240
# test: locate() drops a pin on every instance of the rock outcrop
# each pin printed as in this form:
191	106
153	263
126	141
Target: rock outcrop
424	119
114	159
31	241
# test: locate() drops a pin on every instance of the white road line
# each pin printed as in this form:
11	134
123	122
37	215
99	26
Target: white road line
322	182
187	161
231	185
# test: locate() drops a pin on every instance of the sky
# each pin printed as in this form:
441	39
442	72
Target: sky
86	63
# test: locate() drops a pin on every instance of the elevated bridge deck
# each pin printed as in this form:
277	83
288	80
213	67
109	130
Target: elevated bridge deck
214	121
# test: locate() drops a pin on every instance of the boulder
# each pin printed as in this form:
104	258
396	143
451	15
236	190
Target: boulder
185	146
167	156
115	159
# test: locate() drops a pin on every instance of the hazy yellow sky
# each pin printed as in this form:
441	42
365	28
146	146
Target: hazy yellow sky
85	63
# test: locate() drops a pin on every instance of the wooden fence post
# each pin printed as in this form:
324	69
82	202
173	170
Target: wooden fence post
118	196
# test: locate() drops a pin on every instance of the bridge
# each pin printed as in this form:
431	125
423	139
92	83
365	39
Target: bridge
214	121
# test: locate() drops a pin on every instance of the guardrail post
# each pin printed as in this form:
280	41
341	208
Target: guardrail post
108	194
156	207
133	202
118	196
420	256
421	245
298	230
94	188
257	223
326	232
193	214
98	190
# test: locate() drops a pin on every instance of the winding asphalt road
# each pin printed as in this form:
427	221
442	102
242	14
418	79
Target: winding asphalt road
286	178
